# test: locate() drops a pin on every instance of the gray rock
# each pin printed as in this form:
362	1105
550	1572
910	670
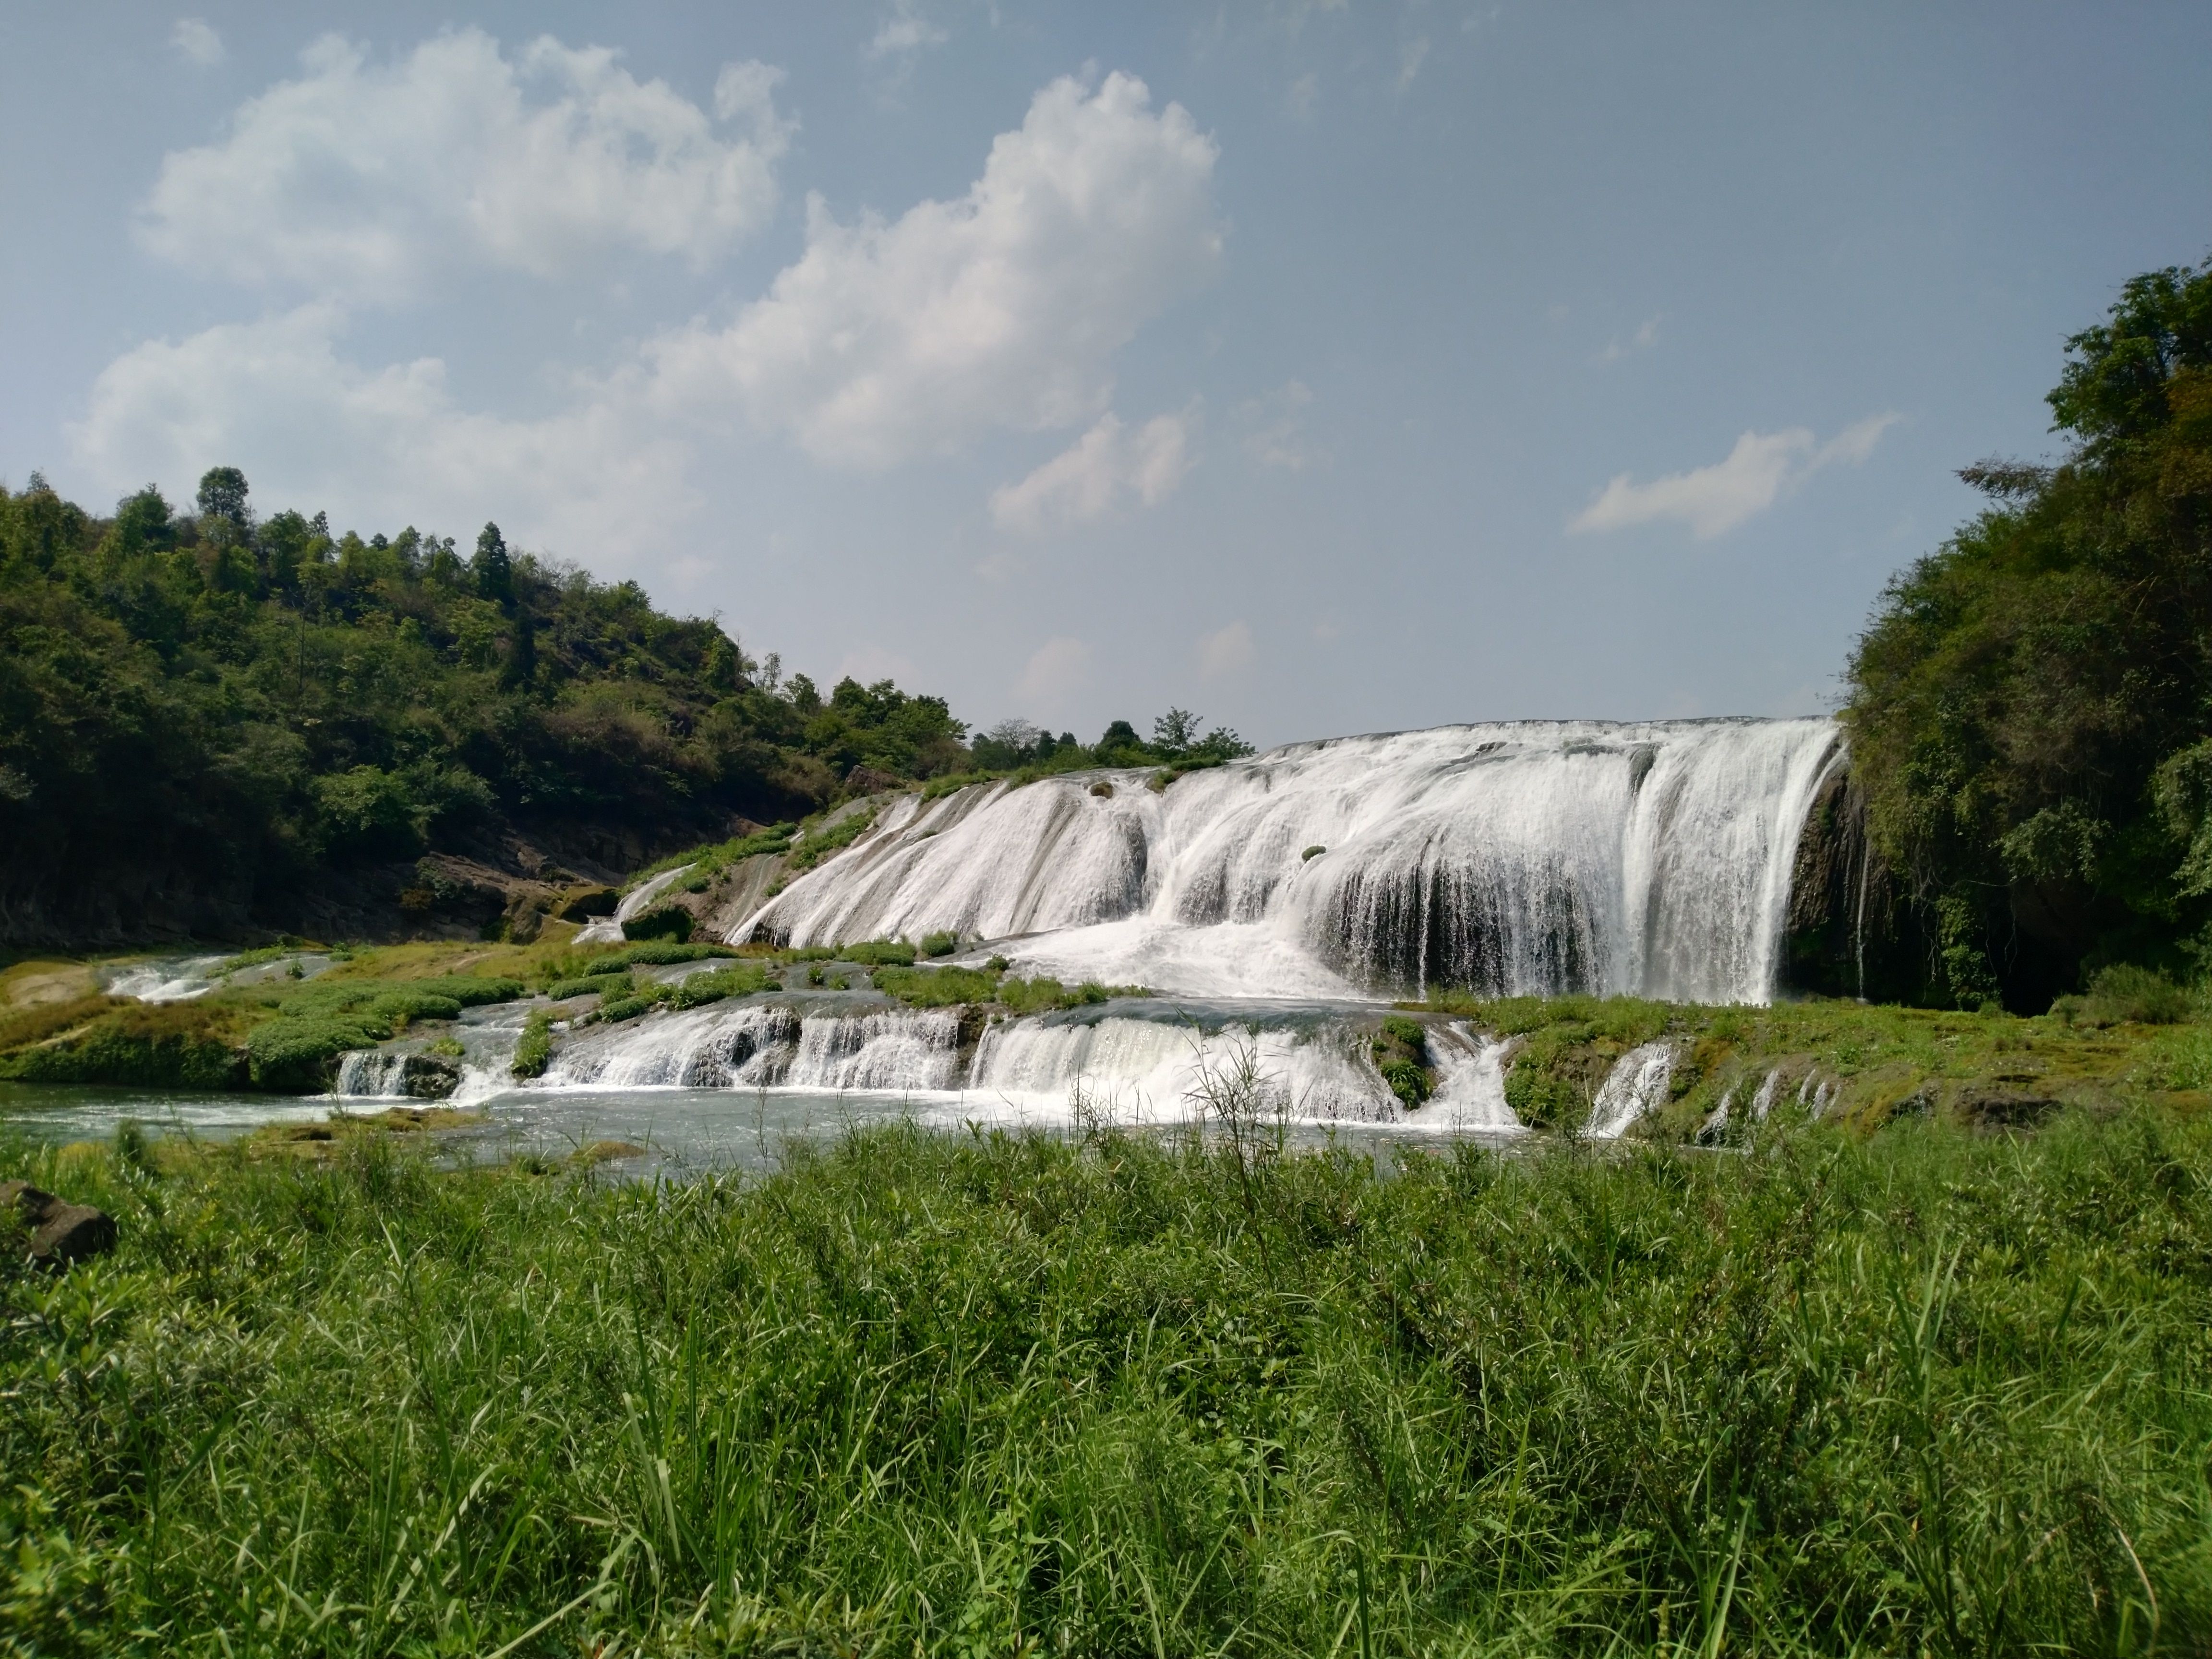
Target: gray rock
58	1232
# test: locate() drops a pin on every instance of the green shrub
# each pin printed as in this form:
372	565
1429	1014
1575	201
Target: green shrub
740	980
1410	1032
299	1055
818	845
2123	994
880	953
622	1008
937	988
667	956
534	1051
589	985
939	945
1409	1080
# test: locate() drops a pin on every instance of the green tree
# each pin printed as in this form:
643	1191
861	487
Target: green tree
2029	704
493	569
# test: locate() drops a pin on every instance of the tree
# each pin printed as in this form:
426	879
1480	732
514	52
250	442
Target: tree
222	496
2030	705
1175	730
493	570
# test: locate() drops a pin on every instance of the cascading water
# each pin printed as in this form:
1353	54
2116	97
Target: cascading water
1517	858
1272	904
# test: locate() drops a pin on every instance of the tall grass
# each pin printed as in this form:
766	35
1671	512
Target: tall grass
1924	1392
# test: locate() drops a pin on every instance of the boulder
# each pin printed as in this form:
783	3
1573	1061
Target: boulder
58	1232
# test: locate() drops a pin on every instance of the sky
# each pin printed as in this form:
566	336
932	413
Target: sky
1319	367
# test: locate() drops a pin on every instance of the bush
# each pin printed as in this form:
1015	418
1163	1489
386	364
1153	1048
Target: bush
2124	994
1409	1080
739	980
591	985
878	953
534	1052
939	945
937	988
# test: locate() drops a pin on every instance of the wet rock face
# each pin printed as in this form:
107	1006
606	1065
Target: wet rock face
57	1232
430	1076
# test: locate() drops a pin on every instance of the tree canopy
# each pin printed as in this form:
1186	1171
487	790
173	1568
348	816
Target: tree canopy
208	719
2030	707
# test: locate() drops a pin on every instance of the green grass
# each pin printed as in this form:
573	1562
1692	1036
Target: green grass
1921	1392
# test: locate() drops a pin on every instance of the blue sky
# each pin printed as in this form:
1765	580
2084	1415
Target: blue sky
1324	368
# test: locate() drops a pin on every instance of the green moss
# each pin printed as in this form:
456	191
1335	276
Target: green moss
668	921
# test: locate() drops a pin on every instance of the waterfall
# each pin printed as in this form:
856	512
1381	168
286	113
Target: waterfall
371	1074
1637	1083
608	930
767	1046
1514	859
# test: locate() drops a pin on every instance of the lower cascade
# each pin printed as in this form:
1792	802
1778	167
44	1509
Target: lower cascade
1526	858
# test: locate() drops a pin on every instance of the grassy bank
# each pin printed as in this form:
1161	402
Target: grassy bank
1924	1390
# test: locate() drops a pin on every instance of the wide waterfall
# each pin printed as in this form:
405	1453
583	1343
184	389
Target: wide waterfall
1514	859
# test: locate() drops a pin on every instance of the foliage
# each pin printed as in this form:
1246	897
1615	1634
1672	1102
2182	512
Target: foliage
533	1050
226	710
880	953
2123	994
1925	1392
2028	708
939	945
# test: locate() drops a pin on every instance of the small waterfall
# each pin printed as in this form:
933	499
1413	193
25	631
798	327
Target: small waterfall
1471	1080
768	1046
608	930
1523	857
1637	1083
1134	1070
372	1074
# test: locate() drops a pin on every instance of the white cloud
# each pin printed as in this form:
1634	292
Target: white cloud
1757	472
1225	651
1056	672
1409	60
1277	435
378	446
1303	93
1104	465
905	33
1646	337
196	41
1000	309
365	180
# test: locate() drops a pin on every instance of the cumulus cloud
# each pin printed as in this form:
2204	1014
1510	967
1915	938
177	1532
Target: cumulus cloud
1225	651
1001	309
313	427
1107	464
197	42
1759	471
365	181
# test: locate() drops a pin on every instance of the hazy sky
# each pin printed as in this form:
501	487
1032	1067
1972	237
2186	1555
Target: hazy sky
1324	368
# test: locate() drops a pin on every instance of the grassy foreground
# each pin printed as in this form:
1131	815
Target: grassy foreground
1920	1391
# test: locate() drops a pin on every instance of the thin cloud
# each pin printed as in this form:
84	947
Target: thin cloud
1226	650
1646	337
1055	672
1275	435
1106	465
197	42
1759	471
905	33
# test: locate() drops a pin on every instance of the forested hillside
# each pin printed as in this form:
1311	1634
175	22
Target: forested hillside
218	726
210	723
2031	709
